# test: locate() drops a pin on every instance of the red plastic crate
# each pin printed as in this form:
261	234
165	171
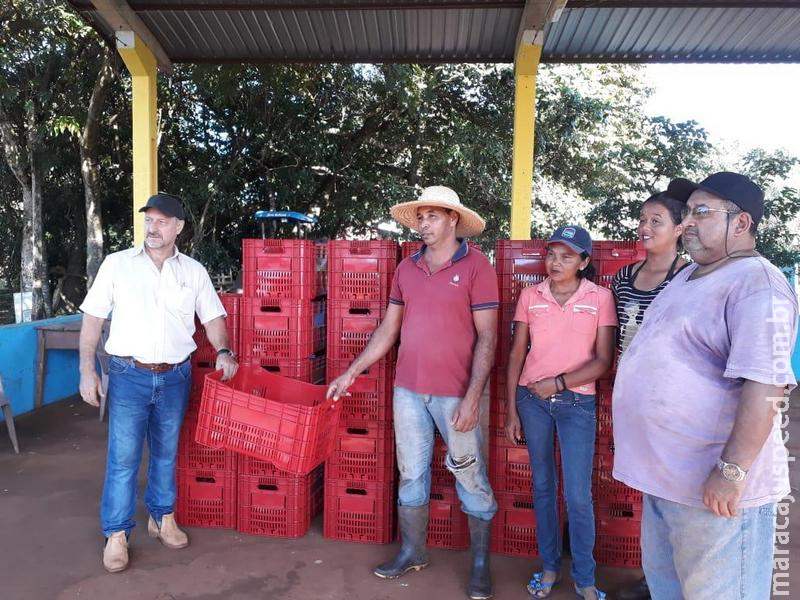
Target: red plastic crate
309	370
278	506
350	326
205	352
604	421
519	264
286	422
605	487
448	526
511	470
363	452
442	479
275	268
618	543
605	391
359	511
206	498
611	508
514	526
505	334
610	256
361	270
282	328
370	396
192	455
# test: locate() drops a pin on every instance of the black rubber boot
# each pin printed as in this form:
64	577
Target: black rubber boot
480	577
413	554
636	591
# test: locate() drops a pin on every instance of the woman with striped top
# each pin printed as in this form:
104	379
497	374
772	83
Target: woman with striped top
635	286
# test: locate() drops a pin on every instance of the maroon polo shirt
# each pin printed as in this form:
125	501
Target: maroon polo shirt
438	334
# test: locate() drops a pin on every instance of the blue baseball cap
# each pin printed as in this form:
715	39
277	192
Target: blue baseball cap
573	236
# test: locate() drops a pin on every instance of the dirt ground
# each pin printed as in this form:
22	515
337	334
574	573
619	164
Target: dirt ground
50	544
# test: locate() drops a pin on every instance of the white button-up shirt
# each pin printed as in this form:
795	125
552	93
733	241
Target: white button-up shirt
152	312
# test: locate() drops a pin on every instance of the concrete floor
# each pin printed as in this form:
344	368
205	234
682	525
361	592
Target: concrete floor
50	544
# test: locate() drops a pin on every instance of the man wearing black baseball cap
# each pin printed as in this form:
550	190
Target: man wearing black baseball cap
693	407
154	292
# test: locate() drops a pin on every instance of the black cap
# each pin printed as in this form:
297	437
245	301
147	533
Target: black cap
167	203
573	236
733	187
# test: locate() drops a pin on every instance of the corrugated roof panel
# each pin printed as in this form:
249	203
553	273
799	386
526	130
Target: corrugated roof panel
461	30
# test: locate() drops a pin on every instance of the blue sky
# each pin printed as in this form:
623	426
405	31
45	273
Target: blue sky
756	105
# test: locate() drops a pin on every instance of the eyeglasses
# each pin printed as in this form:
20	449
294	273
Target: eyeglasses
703	211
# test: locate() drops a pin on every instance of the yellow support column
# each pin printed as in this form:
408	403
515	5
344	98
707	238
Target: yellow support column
142	66
526	68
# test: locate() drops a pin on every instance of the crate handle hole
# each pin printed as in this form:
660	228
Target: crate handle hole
205	480
268	486
357	431
356	491
271	309
359	311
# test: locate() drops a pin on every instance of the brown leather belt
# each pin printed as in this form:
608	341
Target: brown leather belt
157	367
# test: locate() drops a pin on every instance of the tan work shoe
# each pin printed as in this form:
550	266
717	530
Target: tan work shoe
169	533
115	554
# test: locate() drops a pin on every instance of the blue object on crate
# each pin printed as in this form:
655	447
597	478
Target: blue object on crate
285	215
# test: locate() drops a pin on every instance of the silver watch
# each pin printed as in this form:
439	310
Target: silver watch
731	471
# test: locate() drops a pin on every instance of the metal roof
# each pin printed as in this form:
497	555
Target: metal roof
463	30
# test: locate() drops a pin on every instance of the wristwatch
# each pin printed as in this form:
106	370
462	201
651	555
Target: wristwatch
226	351
731	471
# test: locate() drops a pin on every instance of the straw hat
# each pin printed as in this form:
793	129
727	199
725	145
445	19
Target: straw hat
470	223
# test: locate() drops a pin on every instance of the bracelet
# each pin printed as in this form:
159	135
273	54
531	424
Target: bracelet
555	380
563	383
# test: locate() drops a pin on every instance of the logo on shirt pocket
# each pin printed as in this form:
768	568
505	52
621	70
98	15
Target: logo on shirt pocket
456	280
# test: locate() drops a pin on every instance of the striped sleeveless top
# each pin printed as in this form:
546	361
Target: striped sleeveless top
632	302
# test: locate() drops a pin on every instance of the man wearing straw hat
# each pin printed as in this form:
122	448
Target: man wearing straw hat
443	305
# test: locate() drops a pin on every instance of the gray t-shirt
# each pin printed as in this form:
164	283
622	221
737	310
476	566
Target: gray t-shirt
679	383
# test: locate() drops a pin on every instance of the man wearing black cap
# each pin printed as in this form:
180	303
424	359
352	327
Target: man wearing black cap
697	400
153	292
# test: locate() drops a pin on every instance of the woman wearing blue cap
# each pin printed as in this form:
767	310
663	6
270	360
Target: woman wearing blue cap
569	322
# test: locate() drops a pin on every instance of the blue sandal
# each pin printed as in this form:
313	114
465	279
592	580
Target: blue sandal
600	595
538	588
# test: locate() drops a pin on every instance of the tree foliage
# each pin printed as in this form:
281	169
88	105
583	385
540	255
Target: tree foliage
343	142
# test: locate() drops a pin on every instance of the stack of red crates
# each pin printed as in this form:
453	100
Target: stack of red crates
519	264
283	329
206	477
618	508
360	474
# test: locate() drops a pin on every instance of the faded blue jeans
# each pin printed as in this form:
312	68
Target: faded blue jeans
689	552
142	404
573	417
414	418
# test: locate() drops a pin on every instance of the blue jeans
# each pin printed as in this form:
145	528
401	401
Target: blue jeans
142	404
688	552
414	419
572	417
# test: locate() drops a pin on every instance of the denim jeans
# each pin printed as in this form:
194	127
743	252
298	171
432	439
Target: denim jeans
572	417
414	418
689	552
142	404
